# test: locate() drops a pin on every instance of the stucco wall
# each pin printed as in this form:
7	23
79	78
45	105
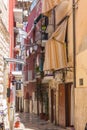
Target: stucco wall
81	62
4	13
81	66
4	50
80	108
81	42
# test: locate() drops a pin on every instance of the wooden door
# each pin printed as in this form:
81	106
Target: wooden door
53	103
68	104
65	105
62	115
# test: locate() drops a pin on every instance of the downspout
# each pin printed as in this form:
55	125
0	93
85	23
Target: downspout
74	44
74	60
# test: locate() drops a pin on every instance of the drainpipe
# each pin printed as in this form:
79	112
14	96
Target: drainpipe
74	59
74	44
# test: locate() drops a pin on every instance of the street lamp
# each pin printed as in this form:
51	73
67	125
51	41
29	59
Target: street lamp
14	60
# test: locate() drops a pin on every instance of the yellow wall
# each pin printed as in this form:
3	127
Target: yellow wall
80	108
81	65
81	41
80	97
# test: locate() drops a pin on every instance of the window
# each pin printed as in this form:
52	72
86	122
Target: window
18	85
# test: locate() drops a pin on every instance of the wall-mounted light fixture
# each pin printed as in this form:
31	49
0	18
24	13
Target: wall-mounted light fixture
13	60
0	11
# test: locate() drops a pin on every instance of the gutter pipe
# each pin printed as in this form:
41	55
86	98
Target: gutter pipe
74	44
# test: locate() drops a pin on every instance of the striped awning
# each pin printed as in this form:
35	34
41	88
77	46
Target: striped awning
47	5
55	49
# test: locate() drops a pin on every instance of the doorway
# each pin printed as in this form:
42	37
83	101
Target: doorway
53	105
65	104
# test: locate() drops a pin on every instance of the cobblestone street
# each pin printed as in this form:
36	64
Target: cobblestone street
33	122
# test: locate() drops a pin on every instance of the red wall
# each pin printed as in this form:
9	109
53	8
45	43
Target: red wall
28	90
31	60
11	28
33	15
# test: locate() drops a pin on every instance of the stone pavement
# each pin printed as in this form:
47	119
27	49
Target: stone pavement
33	122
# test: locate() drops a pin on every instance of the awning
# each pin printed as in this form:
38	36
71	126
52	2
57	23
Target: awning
61	11
47	5
55	49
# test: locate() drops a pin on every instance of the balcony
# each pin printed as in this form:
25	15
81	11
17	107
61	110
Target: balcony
41	37
18	85
21	11
17	48
39	74
39	68
21	33
44	36
28	76
17	74
18	67
18	15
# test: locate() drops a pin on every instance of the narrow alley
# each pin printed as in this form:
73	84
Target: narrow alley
33	122
43	69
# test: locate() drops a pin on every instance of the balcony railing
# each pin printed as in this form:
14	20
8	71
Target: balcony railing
18	67
44	36
41	36
18	15
28	75
18	86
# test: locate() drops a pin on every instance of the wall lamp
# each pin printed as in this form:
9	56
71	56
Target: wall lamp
13	60
0	11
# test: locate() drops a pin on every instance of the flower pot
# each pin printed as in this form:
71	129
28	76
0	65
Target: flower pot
17	124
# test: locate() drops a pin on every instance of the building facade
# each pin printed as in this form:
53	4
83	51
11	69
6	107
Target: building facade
20	21
4	52
4	49
67	89
29	70
63	42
